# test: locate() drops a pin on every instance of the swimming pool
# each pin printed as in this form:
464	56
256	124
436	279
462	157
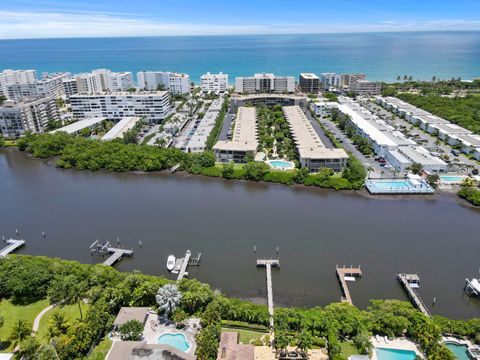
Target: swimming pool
451	179
178	341
395	354
460	351
281	164
399	184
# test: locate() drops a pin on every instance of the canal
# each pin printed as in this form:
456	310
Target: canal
314	230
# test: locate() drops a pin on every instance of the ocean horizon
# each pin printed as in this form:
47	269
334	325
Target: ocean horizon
381	56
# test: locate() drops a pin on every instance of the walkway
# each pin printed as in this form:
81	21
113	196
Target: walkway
36	322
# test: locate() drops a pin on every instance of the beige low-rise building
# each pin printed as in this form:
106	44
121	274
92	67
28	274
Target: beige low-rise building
312	152
244	140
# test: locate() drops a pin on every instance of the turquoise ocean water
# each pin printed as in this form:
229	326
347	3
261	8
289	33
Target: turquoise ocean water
382	56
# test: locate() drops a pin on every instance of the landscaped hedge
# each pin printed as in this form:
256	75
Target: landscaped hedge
244	325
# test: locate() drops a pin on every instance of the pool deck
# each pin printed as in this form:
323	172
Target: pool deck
152	332
398	343
268	353
460	342
373	189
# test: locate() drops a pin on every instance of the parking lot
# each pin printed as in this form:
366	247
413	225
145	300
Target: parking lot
430	142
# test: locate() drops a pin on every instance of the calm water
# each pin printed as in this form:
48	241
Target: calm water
382	56
314	229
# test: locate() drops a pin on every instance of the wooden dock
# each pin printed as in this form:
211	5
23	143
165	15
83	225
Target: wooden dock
116	255
12	245
268	266
407	280
345	274
181	264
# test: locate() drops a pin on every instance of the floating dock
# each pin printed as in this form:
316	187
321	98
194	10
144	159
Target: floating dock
268	266
12	246
345	274
181	264
409	282
117	254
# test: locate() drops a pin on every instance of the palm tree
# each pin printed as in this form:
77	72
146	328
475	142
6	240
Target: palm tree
281	341
369	170
21	330
395	173
58	325
304	342
168	298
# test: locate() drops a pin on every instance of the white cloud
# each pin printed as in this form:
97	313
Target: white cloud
17	25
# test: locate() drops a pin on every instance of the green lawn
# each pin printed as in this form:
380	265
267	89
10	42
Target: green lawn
348	349
101	350
245	336
12	313
70	312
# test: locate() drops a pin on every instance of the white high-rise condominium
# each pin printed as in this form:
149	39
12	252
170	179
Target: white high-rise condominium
176	83
214	82
10	77
153	106
22	87
265	83
29	115
98	80
334	80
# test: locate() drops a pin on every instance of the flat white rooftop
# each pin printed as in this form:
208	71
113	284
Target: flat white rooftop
415	111
244	136
309	76
469	139
121	128
79	125
366	126
451	129
420	155
307	140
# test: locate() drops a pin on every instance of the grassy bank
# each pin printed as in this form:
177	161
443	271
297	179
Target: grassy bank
12	313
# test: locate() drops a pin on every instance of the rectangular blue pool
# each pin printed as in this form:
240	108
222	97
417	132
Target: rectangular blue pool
395	354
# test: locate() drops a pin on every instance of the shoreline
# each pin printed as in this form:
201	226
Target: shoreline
451	193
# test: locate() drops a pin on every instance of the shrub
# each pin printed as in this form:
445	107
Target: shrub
256	170
244	325
471	194
282	177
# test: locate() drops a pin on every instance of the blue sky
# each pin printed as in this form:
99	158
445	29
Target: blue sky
73	18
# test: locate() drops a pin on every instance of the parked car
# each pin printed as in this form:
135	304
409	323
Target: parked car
455	152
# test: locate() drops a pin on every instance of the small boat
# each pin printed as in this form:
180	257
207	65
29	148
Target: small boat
171	262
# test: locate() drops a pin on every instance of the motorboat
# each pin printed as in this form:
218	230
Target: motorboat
171	262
